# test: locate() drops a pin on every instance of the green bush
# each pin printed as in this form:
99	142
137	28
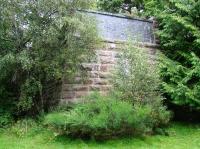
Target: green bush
103	117
26	127
5	119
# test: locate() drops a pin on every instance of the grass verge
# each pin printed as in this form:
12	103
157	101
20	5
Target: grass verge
181	136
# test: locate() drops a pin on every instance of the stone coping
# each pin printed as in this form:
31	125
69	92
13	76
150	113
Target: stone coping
145	44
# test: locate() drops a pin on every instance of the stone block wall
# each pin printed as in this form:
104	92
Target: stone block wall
99	72
115	30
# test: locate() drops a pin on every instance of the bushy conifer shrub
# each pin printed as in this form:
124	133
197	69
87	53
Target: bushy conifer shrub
103	117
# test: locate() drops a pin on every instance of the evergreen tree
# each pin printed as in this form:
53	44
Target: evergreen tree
179	34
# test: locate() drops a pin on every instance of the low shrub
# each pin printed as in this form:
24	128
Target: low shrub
5	120
25	127
102	117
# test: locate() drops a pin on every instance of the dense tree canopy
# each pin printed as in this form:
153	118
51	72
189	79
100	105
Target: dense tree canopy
120	5
179	33
38	39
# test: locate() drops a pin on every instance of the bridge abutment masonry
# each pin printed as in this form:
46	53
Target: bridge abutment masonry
112	30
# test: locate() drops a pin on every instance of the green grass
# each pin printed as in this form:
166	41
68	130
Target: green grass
181	136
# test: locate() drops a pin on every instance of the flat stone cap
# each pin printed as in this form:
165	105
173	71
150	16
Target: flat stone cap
116	27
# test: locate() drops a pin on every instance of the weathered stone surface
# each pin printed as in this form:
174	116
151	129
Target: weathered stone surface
99	81
81	88
107	60
99	73
104	75
67	87
106	67
115	30
118	27
94	74
95	88
68	95
105	53
91	67
88	81
80	94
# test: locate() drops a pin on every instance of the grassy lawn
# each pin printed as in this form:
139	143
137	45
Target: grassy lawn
180	137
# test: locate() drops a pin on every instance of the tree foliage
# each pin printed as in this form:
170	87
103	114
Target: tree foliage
179	33
136	78
40	43
120	5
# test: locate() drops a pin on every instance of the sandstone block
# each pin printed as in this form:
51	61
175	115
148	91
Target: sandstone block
69	95
106	60
104	75
94	74
105	53
80	94
67	87
81	88
106	67
91	67
106	88
100	81
88	82
95	88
